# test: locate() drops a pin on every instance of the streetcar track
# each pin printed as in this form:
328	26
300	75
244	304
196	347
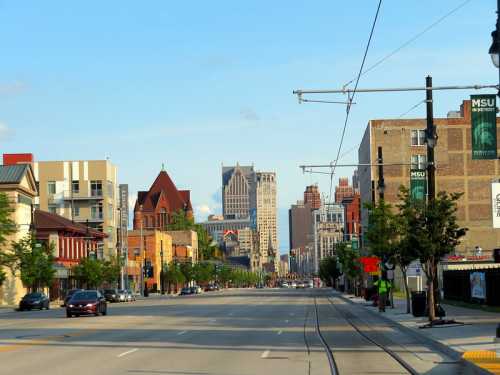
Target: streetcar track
390	352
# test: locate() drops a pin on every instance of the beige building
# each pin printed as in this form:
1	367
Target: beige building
403	141
85	191
184	245
18	183
266	216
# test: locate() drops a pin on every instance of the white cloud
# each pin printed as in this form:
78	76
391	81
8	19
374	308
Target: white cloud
5	131
249	114
202	211
13	88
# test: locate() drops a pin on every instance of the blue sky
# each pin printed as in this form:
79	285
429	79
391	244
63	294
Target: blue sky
194	84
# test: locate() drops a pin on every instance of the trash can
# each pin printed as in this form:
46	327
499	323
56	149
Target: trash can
418	303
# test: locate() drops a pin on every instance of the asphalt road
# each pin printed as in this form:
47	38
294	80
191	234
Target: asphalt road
260	331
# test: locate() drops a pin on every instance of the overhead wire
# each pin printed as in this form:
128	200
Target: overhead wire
351	97
412	108
412	39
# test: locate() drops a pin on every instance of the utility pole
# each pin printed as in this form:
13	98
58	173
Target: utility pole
381	184
143	268
162	289
431	140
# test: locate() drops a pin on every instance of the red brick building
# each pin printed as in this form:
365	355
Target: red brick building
313	197
352	214
156	206
343	190
72	242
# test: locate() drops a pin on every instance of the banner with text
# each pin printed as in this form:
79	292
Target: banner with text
495	203
418	184
484	126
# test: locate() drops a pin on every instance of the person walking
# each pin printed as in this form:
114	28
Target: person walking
383	286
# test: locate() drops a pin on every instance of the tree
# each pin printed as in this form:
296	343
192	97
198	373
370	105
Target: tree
187	270
381	234
328	270
35	261
349	260
173	275
434	233
111	270
203	272
7	227
90	272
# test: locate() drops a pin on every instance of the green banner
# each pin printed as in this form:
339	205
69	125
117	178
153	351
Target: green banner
484	126
418	184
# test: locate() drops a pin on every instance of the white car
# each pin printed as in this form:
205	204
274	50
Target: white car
284	285
294	284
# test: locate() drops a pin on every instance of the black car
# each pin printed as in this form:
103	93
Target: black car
86	303
35	300
112	295
186	291
69	295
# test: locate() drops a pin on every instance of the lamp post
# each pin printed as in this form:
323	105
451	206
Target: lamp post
494	50
143	264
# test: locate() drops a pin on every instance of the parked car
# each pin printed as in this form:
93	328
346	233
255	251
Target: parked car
211	287
293	284
86	303
122	295
130	295
284	285
186	291
310	284
196	289
35	300
69	295
300	285
112	295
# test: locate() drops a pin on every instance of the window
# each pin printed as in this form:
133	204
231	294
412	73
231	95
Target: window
52	208
76	211
418	137
110	211
96	211
75	187
51	187
418	162
96	188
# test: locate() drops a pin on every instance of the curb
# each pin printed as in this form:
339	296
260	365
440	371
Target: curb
469	367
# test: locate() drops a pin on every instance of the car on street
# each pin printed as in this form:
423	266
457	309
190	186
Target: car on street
309	284
88	302
293	284
35	300
211	287
186	291
284	285
112	295
130	295
69	295
300	285
196	289
122	295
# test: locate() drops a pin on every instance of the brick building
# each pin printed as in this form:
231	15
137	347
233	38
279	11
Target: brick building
312	196
156	206
343	189
403	141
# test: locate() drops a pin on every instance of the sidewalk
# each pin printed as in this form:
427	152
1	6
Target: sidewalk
477	333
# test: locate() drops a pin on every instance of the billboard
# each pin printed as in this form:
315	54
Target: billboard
478	285
484	126
495	204
418	184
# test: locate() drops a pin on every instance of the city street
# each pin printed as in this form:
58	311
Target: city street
258	331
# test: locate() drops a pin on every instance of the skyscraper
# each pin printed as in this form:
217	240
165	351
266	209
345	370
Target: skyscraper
343	190
266	215
237	191
312	196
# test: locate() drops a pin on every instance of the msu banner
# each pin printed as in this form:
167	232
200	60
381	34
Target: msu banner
418	184
484	126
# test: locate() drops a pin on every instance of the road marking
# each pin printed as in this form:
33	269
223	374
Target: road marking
212	320
181	333
265	354
280	332
127	352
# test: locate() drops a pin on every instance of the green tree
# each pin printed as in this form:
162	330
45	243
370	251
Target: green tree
382	232
328	270
111	270
7	227
349	260
203	272
224	274
187	270
173	275
35	261
90	272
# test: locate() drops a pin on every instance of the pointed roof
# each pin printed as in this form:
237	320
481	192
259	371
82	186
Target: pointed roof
163	185
15	173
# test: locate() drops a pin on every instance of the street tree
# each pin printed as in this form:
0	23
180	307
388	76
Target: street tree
35	262
7	227
173	275
203	272
349	261
111	270
90	272
329	271
434	234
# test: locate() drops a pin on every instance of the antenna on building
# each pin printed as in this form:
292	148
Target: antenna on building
163	167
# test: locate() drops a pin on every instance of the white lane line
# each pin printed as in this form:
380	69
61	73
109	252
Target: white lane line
280	332
181	333
127	352
265	354
212	320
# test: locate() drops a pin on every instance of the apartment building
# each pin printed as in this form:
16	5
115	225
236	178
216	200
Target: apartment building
328	224
266	216
84	191
403	141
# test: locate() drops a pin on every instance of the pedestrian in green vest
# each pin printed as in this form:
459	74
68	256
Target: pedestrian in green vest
383	286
